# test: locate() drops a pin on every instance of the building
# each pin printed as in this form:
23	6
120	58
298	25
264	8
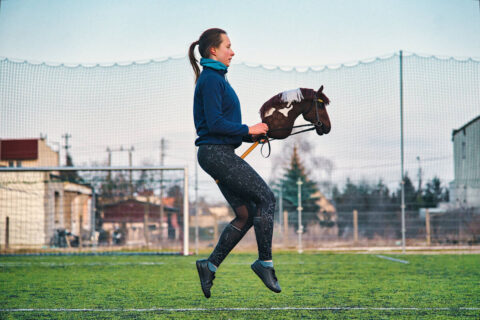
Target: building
327	215
27	153
212	217
35	204
139	221
465	188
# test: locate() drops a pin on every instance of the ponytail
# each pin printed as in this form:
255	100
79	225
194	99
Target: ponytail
209	38
193	60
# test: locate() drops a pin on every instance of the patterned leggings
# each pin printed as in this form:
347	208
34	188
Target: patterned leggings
249	196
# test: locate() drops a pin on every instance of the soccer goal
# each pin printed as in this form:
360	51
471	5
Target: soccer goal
94	209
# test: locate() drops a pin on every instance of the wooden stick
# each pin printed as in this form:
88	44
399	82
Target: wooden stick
249	150
253	146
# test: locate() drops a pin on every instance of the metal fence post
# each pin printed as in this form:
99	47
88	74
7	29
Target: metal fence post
7	232
402	152
355	226
186	213
427	226
299	208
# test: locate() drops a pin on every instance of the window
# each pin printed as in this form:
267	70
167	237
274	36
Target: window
464	150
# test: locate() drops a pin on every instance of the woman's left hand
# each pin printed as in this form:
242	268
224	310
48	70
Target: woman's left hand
258	137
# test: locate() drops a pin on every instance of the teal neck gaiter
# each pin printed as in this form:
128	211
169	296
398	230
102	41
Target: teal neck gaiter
214	64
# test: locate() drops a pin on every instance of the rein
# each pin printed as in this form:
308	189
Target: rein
313	126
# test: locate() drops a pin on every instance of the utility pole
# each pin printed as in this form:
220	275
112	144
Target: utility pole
66	136
130	162
162	209
109	177
419	174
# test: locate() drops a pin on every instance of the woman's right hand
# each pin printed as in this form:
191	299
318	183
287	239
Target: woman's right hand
258	129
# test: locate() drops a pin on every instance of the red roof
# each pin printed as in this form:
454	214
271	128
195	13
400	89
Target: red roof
133	211
19	149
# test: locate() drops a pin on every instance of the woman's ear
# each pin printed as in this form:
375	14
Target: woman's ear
213	51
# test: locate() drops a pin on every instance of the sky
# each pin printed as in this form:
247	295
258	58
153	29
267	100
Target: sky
271	33
279	32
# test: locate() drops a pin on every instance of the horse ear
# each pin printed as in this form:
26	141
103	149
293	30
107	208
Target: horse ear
322	96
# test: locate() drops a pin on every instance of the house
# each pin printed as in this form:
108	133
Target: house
27	153
465	188
35	204
327	215
213	217
139	221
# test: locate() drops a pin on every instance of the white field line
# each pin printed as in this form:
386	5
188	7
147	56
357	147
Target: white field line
53	264
244	309
275	263
393	259
68	264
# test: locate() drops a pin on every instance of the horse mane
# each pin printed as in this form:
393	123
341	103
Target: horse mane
286	98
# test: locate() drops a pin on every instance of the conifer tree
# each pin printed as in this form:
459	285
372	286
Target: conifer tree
289	186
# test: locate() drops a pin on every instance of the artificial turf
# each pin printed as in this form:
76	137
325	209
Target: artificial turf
116	287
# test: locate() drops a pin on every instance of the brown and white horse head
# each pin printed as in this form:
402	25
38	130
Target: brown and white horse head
316	112
280	112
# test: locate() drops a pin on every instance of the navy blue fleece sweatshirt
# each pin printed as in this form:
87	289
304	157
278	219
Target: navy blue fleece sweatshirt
216	111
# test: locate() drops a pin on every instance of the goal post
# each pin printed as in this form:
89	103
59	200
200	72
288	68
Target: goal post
44	209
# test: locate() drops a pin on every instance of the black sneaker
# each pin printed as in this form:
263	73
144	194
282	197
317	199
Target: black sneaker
267	274
206	276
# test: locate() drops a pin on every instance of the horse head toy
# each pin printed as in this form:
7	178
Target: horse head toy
280	112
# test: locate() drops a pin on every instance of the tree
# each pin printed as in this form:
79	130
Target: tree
148	181
434	193
289	186
320	168
354	197
373	204
176	192
381	200
115	188
71	176
411	195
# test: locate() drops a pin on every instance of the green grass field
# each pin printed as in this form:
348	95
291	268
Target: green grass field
337	286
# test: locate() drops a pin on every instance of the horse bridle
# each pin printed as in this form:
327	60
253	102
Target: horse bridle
316	101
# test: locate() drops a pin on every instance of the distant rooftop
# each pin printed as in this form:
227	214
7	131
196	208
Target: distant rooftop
465	126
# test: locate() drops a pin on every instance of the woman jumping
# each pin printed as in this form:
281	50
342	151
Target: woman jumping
220	131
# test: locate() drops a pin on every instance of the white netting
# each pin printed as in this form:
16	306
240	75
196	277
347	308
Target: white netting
138	104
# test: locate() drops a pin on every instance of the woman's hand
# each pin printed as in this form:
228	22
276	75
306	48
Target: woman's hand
258	129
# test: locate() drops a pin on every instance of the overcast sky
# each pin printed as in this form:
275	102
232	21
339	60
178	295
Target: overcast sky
273	32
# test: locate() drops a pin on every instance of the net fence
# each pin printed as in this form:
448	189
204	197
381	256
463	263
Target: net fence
140	114
94	209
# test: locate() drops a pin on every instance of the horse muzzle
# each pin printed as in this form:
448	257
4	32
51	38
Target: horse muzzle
322	129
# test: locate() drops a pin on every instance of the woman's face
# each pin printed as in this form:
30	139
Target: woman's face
224	52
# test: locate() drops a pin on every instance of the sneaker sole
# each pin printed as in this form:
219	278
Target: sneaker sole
254	268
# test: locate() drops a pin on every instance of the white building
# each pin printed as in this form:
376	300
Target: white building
35	204
465	188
